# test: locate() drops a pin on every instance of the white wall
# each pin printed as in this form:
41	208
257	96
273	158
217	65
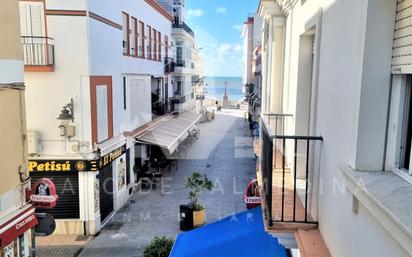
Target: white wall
106	51
48	92
352	76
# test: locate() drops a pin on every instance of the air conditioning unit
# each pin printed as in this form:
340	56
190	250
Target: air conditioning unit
33	142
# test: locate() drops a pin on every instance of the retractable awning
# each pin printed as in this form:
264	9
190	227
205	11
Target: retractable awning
239	235
171	132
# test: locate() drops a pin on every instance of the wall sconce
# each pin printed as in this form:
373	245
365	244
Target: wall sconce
66	115
67	112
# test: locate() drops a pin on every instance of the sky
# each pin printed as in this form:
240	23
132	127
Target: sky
218	26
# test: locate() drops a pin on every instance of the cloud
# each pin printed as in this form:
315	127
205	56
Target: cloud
194	13
238	27
220	58
221	10
238	47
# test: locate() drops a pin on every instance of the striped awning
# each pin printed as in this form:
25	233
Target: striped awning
170	133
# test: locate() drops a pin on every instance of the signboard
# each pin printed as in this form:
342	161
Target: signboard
252	200
75	165
62	165
46	225
252	196
43	194
110	157
20	224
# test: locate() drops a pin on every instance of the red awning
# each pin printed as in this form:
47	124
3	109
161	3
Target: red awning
17	225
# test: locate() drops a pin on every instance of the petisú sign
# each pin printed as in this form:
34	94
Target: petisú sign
43	194
75	165
62	165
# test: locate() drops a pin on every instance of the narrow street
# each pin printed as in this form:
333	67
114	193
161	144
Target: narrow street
224	152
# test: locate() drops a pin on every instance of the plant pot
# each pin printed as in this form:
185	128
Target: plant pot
199	218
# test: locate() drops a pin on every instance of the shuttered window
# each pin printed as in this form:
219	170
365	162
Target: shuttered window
402	45
102	113
32	23
67	187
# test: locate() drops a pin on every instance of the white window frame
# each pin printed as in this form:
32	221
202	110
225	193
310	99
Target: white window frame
102	104
397	126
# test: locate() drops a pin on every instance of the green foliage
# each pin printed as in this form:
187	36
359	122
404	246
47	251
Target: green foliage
198	183
159	247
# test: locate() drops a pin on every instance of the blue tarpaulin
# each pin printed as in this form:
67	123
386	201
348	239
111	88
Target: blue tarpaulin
239	235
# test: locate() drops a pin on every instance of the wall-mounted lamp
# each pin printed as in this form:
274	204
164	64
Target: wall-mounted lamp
67	112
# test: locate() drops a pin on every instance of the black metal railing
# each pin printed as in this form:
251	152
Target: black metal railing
184	26
163	106
169	65
290	172
38	51
179	99
180	63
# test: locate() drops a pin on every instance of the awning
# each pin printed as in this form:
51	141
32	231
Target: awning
18	223
240	235
171	132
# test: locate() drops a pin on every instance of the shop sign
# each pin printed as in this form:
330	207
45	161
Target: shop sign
62	165
252	200
43	194
252	196
110	157
20	225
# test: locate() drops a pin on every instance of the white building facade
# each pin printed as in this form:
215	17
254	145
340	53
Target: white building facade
341	69
252	60
103	63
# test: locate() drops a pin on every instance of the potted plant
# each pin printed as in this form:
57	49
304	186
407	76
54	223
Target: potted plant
197	183
159	247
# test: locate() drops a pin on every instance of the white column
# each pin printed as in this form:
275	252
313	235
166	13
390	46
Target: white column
277	56
264	72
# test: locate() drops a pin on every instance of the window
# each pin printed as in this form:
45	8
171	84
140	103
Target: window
101	98
159	46
179	54
404	162
154	46
399	129
102	115
149	42
126	34
166	46
133	41
124	94
142	38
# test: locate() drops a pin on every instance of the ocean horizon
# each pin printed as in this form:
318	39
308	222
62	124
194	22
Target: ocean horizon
216	87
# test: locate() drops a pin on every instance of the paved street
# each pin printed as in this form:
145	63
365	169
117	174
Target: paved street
224	152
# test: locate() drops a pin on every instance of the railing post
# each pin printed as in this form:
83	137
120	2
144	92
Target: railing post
283	178
307	180
294	179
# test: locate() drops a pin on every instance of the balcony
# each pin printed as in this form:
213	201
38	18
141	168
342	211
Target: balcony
289	176
169	65
179	99
38	54
162	107
180	63
184	26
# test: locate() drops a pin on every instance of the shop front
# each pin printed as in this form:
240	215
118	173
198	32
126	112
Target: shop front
14	232
88	190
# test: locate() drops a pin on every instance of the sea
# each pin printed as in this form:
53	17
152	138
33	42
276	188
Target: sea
216	88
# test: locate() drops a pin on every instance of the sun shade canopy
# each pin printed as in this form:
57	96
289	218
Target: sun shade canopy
239	235
171	132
